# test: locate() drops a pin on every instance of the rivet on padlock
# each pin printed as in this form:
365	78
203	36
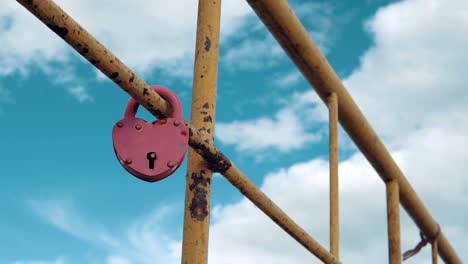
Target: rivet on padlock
151	151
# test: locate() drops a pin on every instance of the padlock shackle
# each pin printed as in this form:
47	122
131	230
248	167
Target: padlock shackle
167	94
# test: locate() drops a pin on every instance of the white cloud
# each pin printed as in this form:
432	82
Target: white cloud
415	75
145	35
287	129
242	234
323	20
233	17
117	260
80	93
143	241
288	80
292	127
254	53
284	132
63	215
25	43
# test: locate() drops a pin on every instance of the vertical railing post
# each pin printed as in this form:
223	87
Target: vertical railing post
393	222
334	191
435	254
198	187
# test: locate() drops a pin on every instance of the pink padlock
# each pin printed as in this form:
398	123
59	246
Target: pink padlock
151	151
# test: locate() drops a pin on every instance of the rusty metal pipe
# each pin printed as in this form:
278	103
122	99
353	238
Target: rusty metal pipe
280	19
334	187
248	188
77	37
393	222
435	254
199	176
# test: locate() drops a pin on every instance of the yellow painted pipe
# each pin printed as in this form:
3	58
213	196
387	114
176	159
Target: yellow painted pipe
393	222
334	186
280	19
69	30
199	176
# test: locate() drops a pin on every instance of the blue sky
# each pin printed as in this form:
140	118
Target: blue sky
65	199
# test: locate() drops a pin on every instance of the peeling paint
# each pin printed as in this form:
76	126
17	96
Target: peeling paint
207	44
148	102
94	62
199	205
60	31
114	75
85	50
217	161
198	178
207	119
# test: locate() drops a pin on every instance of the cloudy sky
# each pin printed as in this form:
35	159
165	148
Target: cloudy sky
64	198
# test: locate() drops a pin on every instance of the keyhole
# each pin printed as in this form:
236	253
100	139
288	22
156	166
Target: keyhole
151	156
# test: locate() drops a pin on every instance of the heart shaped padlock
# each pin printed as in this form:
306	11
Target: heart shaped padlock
151	151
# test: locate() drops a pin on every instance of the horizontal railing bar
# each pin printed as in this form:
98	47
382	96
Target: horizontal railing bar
280	19
78	38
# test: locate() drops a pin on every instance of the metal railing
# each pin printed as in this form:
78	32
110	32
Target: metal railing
279	18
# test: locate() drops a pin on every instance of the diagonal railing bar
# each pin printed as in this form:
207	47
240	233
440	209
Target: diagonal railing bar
78	38
284	25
